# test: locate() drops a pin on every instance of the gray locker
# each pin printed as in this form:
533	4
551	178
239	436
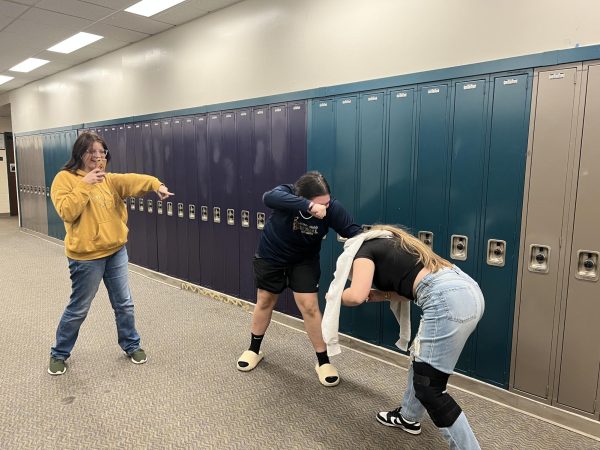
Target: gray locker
545	204
580	358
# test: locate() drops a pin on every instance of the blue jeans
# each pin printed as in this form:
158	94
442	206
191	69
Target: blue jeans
85	280
452	304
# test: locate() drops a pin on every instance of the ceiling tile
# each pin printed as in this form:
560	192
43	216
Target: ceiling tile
114	4
10	9
76	8
120	34
25	2
5	21
182	13
213	5
136	23
54	19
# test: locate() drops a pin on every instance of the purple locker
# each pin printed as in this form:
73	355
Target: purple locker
180	164
217	211
205	224
139	233
171	137
161	207
149	216
230	188
190	163
262	171
128	158
295	159
247	216
279	155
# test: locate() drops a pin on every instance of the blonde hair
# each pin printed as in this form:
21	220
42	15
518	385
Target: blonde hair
411	244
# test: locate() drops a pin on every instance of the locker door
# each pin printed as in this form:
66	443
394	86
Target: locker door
345	174
501	224
367	317
398	187
320	156
127	154
295	160
161	206
555	115
430	188
248	234
578	378
171	132
189	160
149	239
204	202
139	233
230	214
48	169
262	171
431	168
466	186
42	212
217	210
180	198
279	143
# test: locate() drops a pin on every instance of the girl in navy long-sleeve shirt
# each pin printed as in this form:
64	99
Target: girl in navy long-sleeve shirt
288	256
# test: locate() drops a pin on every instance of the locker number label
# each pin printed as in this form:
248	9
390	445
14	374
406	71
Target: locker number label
510	81
433	91
556	76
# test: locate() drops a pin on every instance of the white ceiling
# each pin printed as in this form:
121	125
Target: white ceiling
29	27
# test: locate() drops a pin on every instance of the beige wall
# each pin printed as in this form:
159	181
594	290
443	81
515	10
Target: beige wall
264	47
5	124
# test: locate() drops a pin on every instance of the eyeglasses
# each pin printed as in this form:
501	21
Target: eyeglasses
101	152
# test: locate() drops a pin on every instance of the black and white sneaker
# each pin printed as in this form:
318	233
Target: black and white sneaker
394	419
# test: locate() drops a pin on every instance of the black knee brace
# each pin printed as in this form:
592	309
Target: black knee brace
430	390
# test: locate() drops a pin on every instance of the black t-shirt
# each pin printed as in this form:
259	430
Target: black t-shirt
395	268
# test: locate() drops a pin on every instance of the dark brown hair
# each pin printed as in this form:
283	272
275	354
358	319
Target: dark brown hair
311	185
84	142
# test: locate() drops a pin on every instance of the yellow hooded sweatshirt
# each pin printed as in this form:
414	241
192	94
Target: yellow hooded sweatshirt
94	214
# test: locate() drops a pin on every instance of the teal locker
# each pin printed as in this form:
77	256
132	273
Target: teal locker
399	180
466	186
430	174
343	183
431	166
505	173
321	142
49	172
367	317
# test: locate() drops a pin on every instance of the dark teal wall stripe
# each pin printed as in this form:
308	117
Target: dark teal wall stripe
517	63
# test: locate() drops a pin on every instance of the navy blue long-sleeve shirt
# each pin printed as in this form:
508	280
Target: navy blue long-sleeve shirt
291	234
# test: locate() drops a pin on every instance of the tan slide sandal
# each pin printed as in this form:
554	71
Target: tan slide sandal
251	359
328	371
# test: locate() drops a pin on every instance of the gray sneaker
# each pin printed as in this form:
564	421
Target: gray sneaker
138	356
57	366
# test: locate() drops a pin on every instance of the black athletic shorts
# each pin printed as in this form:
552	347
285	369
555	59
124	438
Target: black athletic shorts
274	277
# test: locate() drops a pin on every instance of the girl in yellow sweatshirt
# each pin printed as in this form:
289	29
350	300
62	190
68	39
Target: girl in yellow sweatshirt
90	202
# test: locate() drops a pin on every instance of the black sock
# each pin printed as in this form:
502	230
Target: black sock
255	342
323	358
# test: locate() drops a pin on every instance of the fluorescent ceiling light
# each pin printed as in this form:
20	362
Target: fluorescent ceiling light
5	79
75	42
148	8
28	65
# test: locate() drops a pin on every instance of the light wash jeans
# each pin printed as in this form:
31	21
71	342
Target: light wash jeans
452	304
85	280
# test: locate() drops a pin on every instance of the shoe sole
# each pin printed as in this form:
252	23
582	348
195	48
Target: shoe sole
57	373
138	362
402	427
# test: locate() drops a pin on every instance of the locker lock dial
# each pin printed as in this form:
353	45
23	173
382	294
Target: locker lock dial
539	256
426	237
587	265
458	247
260	220
496	251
